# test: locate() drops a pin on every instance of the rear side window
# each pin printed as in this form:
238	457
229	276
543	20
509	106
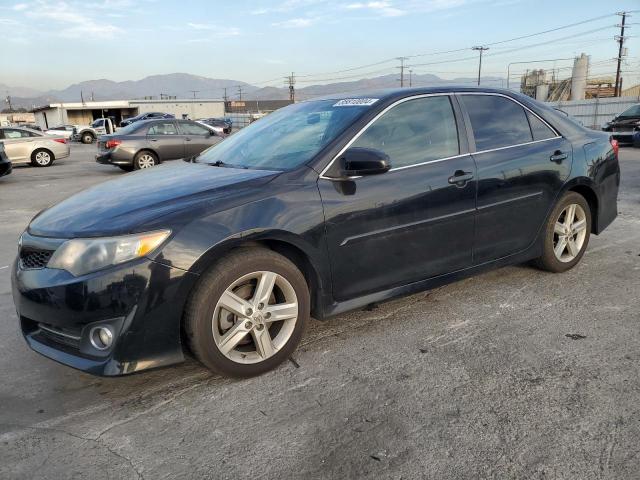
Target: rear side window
10	133
496	121
414	131
539	130
193	129
164	128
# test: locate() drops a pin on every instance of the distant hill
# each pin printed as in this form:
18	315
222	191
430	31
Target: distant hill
183	85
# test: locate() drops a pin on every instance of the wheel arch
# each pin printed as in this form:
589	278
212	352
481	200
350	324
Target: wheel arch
286	244
586	188
37	149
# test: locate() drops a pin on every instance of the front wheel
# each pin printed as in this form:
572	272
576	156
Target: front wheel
248	313
566	234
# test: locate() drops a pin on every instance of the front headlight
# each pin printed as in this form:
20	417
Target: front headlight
84	255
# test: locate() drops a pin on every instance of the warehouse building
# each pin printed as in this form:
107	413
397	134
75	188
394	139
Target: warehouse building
83	113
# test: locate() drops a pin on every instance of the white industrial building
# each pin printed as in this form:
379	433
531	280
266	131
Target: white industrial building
83	113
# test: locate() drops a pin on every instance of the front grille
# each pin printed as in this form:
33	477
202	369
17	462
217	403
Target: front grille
623	129
32	259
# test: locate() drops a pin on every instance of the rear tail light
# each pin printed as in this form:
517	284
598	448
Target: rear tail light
112	144
616	147
60	140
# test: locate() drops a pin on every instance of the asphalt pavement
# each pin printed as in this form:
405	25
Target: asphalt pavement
515	373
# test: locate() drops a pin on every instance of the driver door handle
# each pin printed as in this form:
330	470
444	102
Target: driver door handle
558	156
460	178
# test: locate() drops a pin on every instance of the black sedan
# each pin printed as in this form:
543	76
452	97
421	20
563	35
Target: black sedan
625	127
149	142
5	163
321	207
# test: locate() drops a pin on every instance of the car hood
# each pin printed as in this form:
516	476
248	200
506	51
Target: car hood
146	198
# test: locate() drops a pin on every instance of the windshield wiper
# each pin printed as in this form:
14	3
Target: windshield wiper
220	163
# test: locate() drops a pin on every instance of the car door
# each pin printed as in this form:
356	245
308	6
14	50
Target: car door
522	164
197	138
164	139
17	144
414	222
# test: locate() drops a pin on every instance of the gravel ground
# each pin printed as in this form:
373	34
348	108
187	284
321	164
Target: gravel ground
516	373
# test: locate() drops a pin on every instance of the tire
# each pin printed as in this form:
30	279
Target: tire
42	158
558	253
207	321
126	168
87	138
145	159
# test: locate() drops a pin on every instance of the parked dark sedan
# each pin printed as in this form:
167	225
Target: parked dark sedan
149	142
5	163
145	116
321	207
625	126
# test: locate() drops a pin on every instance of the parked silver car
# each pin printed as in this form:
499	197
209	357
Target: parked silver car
23	145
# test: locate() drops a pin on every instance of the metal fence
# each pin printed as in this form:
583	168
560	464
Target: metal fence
595	112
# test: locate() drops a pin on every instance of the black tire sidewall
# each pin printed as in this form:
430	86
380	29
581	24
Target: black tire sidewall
87	135
210	289
549	261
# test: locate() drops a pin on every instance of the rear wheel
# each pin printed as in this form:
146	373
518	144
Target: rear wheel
248	313
566	234
145	159
42	158
87	138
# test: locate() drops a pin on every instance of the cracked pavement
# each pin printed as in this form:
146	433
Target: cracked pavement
515	373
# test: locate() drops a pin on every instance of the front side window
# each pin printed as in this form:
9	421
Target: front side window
414	131
98	123
496	121
164	128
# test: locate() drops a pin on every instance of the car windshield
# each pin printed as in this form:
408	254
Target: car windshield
631	112
287	137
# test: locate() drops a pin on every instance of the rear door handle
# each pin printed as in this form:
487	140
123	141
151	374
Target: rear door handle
558	156
188	139
460	178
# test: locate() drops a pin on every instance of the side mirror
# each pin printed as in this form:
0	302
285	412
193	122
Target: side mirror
356	162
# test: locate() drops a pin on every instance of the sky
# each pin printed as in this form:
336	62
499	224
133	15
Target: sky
50	44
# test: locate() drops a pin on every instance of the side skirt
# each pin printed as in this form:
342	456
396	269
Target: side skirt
335	308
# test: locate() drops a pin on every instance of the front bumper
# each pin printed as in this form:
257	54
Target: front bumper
141	301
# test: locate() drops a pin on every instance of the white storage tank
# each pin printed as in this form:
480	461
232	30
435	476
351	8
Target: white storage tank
579	77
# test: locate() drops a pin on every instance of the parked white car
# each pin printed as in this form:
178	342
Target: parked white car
23	145
66	131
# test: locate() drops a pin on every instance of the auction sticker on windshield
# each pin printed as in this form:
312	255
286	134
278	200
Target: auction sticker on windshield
356	102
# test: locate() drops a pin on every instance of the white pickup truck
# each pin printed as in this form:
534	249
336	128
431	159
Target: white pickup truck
85	133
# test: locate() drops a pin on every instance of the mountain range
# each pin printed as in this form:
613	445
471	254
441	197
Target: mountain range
183	85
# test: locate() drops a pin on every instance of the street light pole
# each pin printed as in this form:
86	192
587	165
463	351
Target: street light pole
480	49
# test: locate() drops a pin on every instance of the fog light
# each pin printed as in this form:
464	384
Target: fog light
101	337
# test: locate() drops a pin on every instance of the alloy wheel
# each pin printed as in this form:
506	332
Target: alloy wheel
569	232
43	158
146	161
255	317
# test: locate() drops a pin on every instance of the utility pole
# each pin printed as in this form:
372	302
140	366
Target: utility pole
290	80
401	67
8	99
480	49
194	92
240	92
225	97
410	75
620	39
81	97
